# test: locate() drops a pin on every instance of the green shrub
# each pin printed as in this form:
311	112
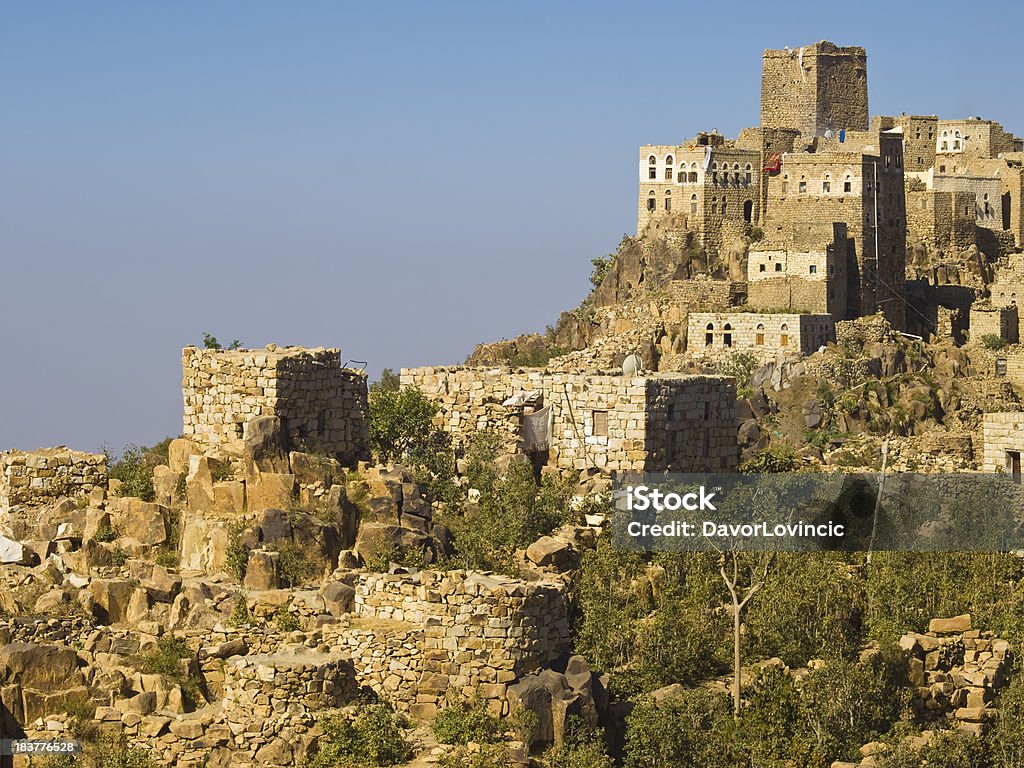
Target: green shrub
1007	736
118	556
774	458
236	556
134	472
739	365
369	735
240	616
695	728
487	756
105	534
286	621
294	565
994	341
582	747
167	660
210	342
463	721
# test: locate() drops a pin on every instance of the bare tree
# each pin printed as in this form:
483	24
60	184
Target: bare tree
742	588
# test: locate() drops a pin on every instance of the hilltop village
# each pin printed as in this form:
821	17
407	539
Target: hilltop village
323	571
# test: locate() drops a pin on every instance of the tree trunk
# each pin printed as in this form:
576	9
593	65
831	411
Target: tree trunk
736	659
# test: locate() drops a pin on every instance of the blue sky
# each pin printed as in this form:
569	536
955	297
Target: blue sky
402	180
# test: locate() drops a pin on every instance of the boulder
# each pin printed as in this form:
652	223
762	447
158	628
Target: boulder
377	538
38	666
338	597
265	444
749	434
551	551
261	570
310	469
229	648
229	498
950	626
199	486
165	484
14	553
111	598
268	490
146	522
179	452
162	585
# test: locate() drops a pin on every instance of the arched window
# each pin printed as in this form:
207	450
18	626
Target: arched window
652	167
759	335
748	210
784	336
652	201
749	175
714	173
826	184
681	176
693	205
848	184
709	335
945	134
723	206
727	335
693	177
803	184
956	134
668	201
668	168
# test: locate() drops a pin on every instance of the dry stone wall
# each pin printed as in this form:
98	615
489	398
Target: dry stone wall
46	475
321	405
466	631
1003	435
615	422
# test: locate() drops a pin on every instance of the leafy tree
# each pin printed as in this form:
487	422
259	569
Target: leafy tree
134	471
400	420
694	728
389	381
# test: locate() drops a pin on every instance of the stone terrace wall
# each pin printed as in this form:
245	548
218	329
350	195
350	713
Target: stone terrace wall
597	420
477	633
1002	432
43	476
322	406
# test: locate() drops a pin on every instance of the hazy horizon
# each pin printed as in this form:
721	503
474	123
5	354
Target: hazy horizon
400	181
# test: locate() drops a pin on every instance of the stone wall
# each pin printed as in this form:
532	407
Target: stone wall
994	321
43	476
321	405
1003	435
652	423
717	335
814	88
466	631
803	281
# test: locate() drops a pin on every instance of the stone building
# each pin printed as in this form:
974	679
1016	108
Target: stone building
973	137
815	88
1004	443
813	280
1008	286
918	133
987	320
46	475
577	421
717	335
847	179
322	406
707	186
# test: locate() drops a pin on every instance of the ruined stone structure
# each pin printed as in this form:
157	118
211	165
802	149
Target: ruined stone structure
473	633
815	88
803	281
717	335
645	423
322	406
1004	443
46	475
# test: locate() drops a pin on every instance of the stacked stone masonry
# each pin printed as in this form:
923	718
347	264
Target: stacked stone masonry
615	422
322	406
718	335
465	631
46	475
1003	435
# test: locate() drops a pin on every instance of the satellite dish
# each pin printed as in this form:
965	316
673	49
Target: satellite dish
632	365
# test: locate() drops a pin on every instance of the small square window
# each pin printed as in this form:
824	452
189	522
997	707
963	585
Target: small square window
762	267
778	266
1001	366
600	423
826	187
803	186
652	173
847	186
814	269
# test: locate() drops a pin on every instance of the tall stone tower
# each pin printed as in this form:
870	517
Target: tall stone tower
815	88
